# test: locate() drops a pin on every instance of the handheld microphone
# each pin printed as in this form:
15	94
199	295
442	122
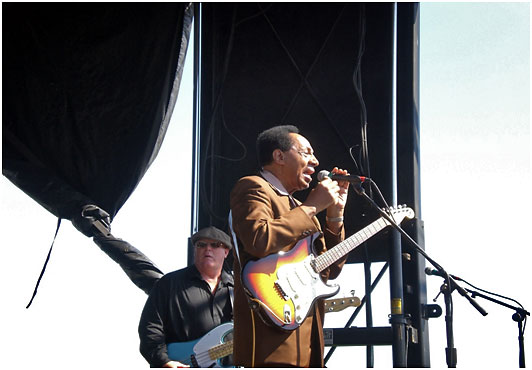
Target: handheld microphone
322	175
430	271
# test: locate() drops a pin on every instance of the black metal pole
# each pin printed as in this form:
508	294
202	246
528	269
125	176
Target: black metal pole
370	361
519	318
450	351
397	317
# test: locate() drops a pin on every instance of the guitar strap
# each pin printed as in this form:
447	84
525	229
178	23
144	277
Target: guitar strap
253	303
232	296
235	243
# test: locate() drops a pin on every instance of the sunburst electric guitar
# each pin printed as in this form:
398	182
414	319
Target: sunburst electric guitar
286	284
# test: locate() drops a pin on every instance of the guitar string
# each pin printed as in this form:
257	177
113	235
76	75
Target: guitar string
325	260
208	356
350	243
222	349
217	352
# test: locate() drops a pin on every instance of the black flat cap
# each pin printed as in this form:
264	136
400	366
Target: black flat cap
213	233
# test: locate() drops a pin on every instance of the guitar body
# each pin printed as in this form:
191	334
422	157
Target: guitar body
202	352
286	285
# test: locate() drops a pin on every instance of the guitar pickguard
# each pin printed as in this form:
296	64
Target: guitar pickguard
303	285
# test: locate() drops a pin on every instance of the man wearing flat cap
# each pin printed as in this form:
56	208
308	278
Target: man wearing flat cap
186	304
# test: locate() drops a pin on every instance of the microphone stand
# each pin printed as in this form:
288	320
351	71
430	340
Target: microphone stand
450	351
447	290
519	315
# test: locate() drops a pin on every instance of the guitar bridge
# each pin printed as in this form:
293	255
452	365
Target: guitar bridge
280	291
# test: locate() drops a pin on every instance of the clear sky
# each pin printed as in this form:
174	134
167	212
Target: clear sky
475	162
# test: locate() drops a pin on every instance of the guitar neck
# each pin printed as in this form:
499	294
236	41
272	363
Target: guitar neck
221	350
334	254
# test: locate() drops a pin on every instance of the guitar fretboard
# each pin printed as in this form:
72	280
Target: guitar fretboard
332	255
221	350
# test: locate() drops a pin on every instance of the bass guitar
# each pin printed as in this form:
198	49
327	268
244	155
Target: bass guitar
206	351
285	285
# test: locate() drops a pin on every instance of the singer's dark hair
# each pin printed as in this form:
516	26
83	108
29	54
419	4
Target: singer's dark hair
277	137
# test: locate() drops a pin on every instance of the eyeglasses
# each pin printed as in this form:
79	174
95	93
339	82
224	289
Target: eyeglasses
213	245
306	156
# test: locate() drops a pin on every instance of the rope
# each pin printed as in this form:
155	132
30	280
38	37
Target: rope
45	264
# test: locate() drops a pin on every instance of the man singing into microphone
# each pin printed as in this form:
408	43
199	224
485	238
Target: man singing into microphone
267	219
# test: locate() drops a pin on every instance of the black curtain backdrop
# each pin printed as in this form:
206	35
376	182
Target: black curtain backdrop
88	91
324	67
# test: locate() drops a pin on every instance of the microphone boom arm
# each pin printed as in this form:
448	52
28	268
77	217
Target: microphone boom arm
358	188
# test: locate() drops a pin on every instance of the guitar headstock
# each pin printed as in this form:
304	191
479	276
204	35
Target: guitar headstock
338	304
399	213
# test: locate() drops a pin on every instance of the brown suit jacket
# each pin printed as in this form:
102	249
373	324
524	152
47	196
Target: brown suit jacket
266	222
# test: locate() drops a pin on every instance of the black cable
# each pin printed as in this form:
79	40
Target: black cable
218	101
357	84
304	77
358	169
261	11
245	150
